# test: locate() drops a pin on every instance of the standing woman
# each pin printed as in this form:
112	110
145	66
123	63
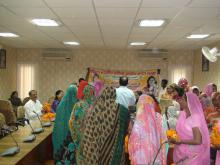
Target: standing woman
61	134
76	121
105	130
58	97
147	135
151	88
193	146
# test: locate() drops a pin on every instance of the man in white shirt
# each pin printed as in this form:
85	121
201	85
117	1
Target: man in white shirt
125	96
164	83
33	106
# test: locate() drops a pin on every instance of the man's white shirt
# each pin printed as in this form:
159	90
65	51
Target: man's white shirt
31	107
125	96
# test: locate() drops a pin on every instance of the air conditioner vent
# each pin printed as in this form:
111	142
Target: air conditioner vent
57	54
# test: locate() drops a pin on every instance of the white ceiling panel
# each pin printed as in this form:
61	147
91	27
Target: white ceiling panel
80	22
141	38
69	3
205	3
31	12
199	13
84	31
116	13
158	13
145	31
23	3
116	23
72	13
117	3
165	3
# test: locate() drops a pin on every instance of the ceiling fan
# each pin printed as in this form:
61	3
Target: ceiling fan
211	54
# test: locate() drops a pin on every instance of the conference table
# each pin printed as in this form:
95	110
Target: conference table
33	153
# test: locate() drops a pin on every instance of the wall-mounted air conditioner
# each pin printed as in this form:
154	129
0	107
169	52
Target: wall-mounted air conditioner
153	53
57	54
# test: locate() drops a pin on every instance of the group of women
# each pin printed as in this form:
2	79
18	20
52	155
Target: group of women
90	129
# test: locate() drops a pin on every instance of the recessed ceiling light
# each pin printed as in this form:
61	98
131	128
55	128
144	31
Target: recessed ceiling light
197	36
137	43
8	35
71	43
44	22
151	23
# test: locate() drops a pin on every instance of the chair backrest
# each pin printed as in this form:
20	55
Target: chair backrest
2	120
7	110
26	99
20	112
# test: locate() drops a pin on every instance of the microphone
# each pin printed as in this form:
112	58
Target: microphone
47	124
38	130
13	150
31	137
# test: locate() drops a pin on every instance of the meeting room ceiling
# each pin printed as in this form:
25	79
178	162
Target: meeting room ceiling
110	24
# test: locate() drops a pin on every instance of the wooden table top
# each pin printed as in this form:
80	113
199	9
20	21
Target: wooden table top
25	148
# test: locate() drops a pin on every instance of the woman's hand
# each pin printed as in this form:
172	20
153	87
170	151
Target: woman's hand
174	141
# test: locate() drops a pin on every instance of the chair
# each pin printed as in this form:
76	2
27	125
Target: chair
26	99
7	110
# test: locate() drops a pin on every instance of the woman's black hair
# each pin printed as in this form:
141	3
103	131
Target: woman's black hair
57	93
13	93
148	85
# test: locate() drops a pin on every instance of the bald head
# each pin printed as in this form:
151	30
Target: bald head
123	81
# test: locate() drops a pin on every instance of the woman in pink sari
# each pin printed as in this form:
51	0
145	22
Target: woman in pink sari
147	135
193	148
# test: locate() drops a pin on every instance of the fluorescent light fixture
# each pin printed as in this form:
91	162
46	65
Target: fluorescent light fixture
151	23
137	43
197	36
74	43
8	35
44	22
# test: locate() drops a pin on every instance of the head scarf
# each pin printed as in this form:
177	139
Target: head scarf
89	94
194	87
147	134
81	87
105	128
183	83
61	124
209	89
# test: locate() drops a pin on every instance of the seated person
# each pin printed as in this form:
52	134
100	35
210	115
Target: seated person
47	110
33	106
15	100
58	97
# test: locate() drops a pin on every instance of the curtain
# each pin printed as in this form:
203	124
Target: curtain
180	71
26	78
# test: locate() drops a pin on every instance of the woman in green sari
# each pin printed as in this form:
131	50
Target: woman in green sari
104	131
61	134
76	122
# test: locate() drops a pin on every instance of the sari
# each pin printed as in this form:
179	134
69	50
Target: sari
76	122
82	85
215	115
192	154
105	131
217	161
61	134
147	135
